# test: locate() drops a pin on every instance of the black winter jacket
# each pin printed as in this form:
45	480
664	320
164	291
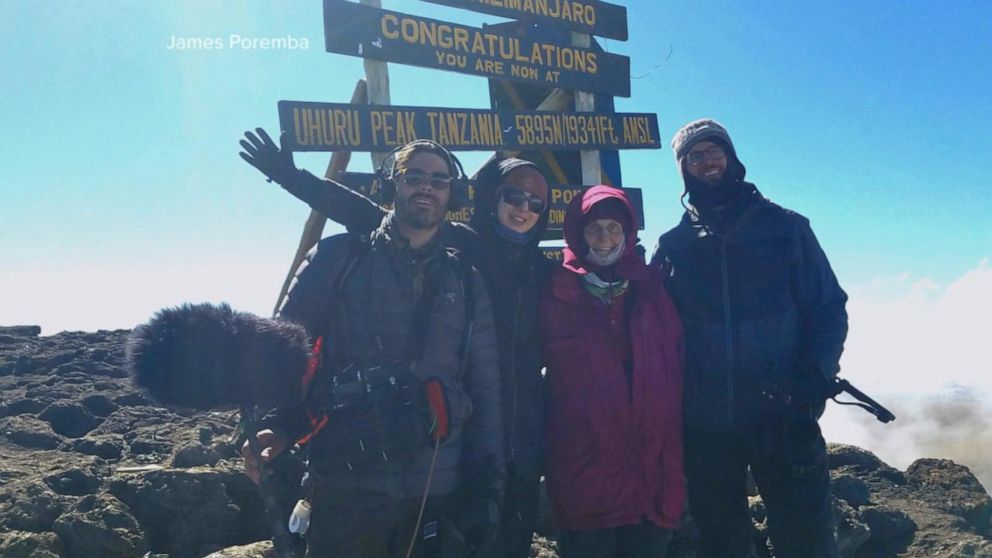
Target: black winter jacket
514	275
375	309
760	306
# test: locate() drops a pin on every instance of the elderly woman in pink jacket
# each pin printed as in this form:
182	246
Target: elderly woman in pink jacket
613	349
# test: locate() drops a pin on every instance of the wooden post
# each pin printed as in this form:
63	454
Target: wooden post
586	102
314	226
377	76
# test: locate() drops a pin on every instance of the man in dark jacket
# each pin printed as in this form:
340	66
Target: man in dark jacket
408	380
765	324
514	270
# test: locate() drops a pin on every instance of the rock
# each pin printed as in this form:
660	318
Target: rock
76	482
100	405
72	420
29	432
21	407
22	544
29	506
21	331
951	487
104	446
195	455
100	526
182	511
891	531
262	549
851	531
842	455
851	489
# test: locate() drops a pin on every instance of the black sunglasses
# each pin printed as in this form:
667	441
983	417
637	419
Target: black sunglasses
519	198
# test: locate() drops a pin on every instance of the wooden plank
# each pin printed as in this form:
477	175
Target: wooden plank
586	16
337	126
585	101
561	195
358	30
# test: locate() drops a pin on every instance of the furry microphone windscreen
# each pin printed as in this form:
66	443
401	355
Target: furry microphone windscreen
202	356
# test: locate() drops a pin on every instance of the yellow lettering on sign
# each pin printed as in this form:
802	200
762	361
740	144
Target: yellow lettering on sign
432	122
388	25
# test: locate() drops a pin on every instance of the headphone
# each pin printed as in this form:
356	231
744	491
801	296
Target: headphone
386	173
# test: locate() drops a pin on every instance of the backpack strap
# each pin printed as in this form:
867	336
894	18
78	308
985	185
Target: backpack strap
359	245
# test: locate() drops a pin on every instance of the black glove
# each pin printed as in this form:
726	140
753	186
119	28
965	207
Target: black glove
276	163
479	525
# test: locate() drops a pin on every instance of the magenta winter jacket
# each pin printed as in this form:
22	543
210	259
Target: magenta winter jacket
614	456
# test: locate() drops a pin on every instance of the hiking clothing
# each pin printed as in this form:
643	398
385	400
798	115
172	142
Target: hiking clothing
760	306
763	313
368	323
791	475
513	275
614	370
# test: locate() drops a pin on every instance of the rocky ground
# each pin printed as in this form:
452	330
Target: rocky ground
90	468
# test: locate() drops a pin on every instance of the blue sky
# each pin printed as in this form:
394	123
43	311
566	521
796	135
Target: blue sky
123	192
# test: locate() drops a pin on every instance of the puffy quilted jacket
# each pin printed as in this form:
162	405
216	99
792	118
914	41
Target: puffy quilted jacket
760	305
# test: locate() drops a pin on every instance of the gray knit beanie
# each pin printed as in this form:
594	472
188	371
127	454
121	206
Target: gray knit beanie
696	131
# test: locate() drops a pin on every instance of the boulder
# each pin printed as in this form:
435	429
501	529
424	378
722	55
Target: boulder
950	487
23	544
29	506
100	526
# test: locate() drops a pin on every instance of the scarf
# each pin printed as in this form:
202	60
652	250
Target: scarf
605	291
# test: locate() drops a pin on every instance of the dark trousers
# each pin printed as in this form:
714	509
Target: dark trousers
364	525
788	460
644	540
519	517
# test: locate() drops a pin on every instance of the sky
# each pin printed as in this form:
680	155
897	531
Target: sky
122	192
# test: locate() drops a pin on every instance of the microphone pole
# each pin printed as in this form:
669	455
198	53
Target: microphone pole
282	541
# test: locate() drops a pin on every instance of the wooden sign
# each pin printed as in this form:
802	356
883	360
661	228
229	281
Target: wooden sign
561	195
354	127
367	32
585	16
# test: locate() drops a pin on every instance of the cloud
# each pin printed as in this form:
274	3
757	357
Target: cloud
922	349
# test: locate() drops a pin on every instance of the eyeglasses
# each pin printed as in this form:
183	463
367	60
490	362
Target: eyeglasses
418	178
519	198
715	153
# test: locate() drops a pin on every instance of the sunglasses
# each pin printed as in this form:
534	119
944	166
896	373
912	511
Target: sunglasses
418	178
519	198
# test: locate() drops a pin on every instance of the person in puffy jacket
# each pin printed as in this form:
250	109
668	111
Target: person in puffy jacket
765	325
509	220
613	349
408	383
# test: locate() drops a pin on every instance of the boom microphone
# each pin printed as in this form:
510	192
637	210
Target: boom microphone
205	357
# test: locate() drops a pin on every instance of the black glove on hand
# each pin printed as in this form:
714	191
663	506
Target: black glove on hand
479	524
276	163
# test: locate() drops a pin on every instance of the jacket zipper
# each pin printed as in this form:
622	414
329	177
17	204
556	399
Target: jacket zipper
729	331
